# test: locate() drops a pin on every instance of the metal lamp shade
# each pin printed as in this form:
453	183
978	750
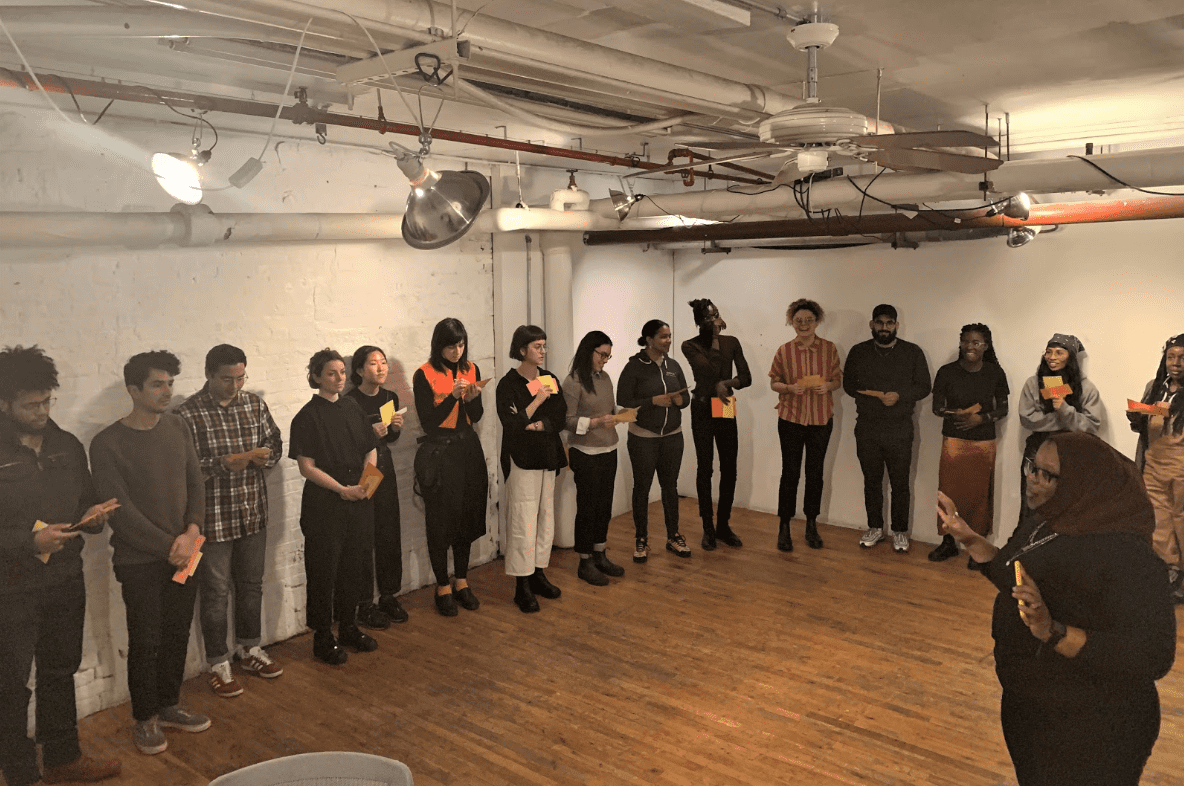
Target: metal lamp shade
441	212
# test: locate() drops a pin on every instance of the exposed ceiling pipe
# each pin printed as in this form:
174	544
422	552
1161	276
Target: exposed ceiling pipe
308	115
1100	211
1139	168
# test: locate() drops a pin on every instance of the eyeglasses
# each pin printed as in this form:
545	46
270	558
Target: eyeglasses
1030	468
805	321
236	380
885	323
605	356
44	403
974	344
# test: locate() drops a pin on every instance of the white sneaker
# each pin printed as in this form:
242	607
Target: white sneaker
900	542
873	536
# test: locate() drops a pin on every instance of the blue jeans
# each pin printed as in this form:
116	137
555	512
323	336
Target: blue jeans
241	561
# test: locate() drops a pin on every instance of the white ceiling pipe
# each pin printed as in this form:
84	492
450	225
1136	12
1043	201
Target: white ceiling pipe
399	16
1140	168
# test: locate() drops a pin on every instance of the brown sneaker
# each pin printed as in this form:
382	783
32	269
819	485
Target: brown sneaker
223	682
257	662
82	769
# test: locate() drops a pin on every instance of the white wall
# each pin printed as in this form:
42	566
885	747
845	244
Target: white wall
1115	286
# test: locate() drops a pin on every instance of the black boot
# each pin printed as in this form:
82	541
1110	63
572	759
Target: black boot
352	635
326	648
784	537
946	549
607	566
524	597
708	542
724	534
541	585
813	539
590	573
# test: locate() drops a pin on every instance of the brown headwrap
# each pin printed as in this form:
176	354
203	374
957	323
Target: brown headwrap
1100	490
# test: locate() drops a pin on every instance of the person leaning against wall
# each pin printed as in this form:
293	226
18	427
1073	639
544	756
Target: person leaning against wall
1160	457
43	480
236	440
368	373
532	412
332	443
805	416
970	395
450	471
592	452
653	384
147	461
712	357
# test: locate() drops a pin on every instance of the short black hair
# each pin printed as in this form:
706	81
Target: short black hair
649	330
317	363
524	336
25	370
138	367
224	355
361	355
449	332
884	310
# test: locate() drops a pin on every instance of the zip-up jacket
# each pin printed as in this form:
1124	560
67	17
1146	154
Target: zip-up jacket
641	380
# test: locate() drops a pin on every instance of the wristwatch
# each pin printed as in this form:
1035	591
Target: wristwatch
1058	633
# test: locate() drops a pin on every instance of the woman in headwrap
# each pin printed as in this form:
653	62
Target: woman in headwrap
1161	458
1082	638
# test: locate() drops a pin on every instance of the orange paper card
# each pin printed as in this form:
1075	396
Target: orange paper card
1060	391
545	381
1019	582
721	410
481	383
811	381
371	477
107	507
628	415
1138	407
182	575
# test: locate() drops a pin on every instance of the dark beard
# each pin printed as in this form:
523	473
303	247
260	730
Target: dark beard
879	338
24	428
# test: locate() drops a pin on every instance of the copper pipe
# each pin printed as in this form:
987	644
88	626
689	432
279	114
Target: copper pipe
1101	211
303	113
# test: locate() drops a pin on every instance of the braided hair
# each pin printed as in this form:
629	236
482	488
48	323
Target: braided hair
1161	389
979	327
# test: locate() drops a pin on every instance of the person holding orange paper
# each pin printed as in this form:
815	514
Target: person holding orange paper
532	416
43	479
712	357
147	461
332	442
1160	456
1083	635
804	375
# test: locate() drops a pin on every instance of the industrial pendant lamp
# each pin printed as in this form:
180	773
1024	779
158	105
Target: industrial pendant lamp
442	206
177	175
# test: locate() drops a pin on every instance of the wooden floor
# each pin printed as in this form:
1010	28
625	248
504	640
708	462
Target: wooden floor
739	666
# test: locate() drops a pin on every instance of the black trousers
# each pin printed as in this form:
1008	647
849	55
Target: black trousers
337	538
796	438
879	448
709	434
47	626
596	479
649	455
386	560
159	615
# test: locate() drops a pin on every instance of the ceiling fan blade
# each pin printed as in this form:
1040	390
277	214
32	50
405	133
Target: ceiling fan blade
728	144
703	162
926	139
926	159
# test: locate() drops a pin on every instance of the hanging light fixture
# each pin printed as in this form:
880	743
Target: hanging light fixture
442	206
177	173
1020	236
1019	207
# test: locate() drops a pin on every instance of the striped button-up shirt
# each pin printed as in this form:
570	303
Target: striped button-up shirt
792	362
236	502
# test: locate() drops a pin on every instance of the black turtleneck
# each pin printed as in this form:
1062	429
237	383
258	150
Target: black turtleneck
432	415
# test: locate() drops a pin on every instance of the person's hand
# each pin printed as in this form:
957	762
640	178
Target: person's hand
663	399
352	493
536	425
460	387
1033	611
260	458
53	538
1057	402
890	399
101	513
543	394
796	389
676	399
722	392
236	462
965	422
605	421
951	523
822	389
380	429
183	547
396	421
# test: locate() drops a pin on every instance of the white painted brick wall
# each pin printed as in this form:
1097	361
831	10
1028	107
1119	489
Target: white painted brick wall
91	308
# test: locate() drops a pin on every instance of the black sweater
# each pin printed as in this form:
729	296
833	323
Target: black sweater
956	388
901	369
530	449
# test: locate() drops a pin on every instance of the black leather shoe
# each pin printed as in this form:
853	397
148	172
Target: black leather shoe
524	597
352	636
325	648
606	566
446	605
784	537
391	607
946	549
590	573
725	536
813	539
372	617
465	597
541	585
708	542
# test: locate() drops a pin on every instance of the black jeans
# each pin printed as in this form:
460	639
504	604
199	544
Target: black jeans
46	625
794	439
387	562
648	455
709	433
879	447
596	477
337	538
159	615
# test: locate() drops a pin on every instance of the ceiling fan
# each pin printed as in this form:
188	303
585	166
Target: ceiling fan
813	133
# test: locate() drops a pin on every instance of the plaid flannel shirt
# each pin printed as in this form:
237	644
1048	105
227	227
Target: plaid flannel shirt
236	502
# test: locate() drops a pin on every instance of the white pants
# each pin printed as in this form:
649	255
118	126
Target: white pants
530	526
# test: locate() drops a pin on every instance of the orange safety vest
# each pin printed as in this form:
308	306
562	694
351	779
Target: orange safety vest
442	383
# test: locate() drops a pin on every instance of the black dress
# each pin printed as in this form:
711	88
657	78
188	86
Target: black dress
388	531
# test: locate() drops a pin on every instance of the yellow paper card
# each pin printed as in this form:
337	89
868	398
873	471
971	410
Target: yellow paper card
549	383
1052	382
628	415
811	381
387	412
37	527
721	410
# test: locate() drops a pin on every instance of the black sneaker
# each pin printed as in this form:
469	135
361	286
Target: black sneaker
351	635
390	606
946	549
446	605
372	617
465	597
325	648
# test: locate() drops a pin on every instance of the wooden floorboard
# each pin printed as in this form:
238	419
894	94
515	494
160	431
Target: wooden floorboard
740	667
